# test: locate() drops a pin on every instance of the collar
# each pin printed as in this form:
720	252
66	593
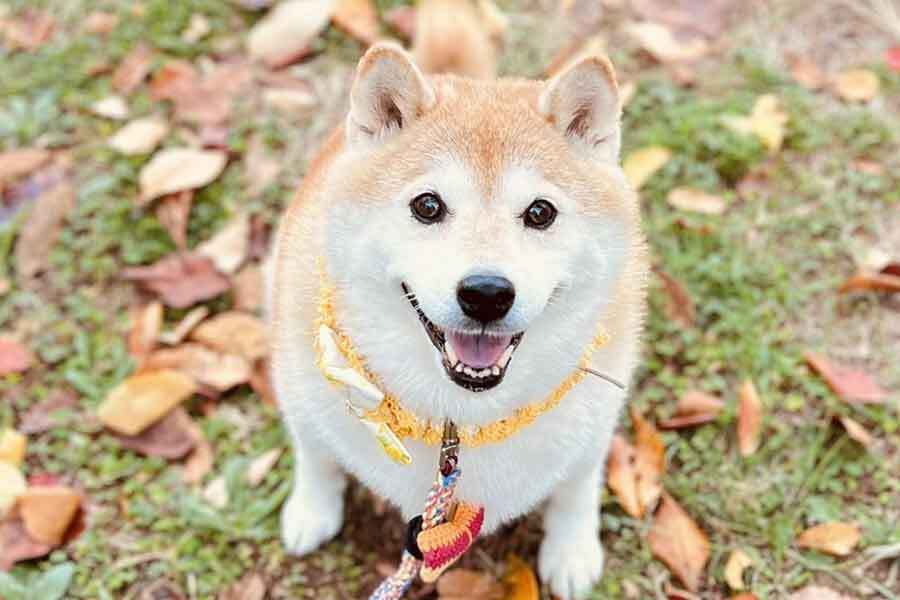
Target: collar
384	414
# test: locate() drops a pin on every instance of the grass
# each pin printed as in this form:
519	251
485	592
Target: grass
763	277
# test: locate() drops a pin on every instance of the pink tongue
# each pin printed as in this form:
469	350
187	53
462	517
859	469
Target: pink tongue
478	350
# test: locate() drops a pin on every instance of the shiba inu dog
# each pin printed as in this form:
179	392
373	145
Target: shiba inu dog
476	246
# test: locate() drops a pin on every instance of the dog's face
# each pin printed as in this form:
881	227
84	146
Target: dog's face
477	229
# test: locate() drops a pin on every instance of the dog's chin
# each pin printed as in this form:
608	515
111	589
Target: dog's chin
475	361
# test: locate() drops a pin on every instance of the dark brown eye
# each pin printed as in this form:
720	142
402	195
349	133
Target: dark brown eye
428	208
540	214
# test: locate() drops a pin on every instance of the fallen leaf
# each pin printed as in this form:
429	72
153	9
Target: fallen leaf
133	69
358	18
220	371
12	447
892	58
767	122
834	538
143	399
29	31
250	587
174	79
181	280
48	511
290	101
664	46
200	461
140	136
857	85
228	248
260	237
650	461
641	164
184	327
16	545
12	483
854	386
696	201
287	31
679	304
208	100
248	288
197	29
100	23
865	281
216	493
111	107
677	541
19	163
234	332
260	168
869	167
520	580
857	432
176	169
262	465
39	233
14	357
261	383
744	596
738	561
214	137
694	408
402	19
145	328
621	476
816	592
466	584
169	438
806	72
48	414
173	212
749	419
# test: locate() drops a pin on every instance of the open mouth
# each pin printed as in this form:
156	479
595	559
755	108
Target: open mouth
474	361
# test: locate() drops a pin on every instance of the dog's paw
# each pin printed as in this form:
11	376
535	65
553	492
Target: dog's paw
307	523
570	565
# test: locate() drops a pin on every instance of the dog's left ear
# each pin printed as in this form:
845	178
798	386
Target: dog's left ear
583	103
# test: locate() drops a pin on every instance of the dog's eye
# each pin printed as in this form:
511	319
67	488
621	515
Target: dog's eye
428	208
540	214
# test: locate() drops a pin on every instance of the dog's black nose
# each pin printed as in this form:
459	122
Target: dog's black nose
485	298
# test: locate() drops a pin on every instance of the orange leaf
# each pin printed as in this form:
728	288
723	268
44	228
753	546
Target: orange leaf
679	305
875	282
234	332
218	370
520	580
676	540
650	461
133	69
749	419
145	327
48	511
358	18
621	476
694	408
834	538
466	584
852	385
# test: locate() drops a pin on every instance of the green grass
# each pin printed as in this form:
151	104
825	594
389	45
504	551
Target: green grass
763	277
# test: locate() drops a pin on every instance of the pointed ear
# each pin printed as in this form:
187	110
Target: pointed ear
583	103
388	94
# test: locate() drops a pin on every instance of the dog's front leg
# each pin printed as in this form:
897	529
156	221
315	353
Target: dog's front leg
571	557
314	512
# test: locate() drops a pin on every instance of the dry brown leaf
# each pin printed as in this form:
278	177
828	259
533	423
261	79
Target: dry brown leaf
248	289
140	136
16	545
208	100
48	511
873	282
143	399
250	587
100	23
466	584
176	169
694	408
650	461
286	32
767	122
261	382
359	19
29	31
19	163
200	461
173	212
235	332
744	596
146	325
180	280
402	19
694	200
133	69
857	432
47	414
641	164
14	357
621	476
838	539
679	304
184	327
816	592
854	386
39	233
12	483
738	562
520	580
664	46
262	465
291	102
12	447
676	540
174	79
806	72
111	107
749	425
219	371
169	438
228	248
857	85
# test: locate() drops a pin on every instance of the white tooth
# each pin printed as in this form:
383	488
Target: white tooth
507	354
459	367
495	370
468	371
451	355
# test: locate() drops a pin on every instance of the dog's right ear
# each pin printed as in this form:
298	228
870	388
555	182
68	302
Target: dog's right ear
388	94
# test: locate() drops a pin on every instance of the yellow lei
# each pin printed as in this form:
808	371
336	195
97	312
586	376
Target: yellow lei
406	425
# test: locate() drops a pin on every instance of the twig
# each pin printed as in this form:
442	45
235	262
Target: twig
604	377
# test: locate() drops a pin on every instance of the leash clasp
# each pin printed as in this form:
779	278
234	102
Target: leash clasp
449	457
